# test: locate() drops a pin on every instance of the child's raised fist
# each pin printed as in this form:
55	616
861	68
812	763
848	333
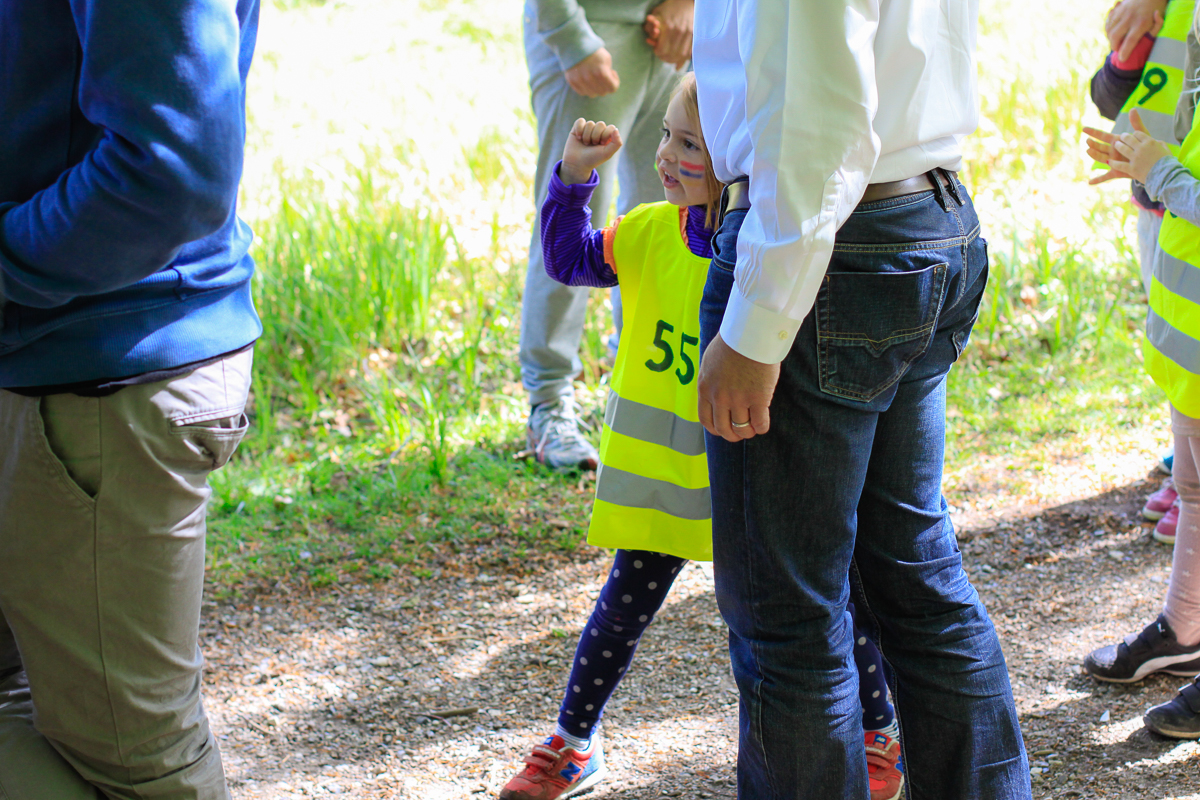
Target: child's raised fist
589	145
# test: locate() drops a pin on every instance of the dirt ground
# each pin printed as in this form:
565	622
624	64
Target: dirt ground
436	688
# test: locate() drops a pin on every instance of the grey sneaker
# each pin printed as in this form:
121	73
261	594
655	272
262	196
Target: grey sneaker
555	439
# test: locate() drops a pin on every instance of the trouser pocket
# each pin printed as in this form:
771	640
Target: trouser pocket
872	326
215	439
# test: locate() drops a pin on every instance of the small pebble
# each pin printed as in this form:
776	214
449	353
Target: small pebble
1104	718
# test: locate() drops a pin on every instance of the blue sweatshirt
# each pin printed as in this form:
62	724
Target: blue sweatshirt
122	125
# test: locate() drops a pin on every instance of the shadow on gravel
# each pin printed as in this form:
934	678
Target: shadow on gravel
395	689
1059	583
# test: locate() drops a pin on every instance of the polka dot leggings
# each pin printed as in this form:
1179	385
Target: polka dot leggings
635	590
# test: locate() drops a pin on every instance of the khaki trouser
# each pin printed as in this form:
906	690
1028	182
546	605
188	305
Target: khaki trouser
102	505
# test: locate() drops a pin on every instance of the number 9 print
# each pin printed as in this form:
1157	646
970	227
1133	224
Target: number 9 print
1154	80
668	356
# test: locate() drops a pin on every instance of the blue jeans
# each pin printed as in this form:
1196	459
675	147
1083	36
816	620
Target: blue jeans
843	496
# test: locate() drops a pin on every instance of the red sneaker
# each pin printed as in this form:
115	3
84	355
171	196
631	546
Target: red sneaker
554	771
1159	503
1164	531
883	753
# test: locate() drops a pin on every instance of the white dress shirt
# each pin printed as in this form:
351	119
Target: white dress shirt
813	100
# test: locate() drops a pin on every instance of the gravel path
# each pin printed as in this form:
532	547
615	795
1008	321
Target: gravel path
436	688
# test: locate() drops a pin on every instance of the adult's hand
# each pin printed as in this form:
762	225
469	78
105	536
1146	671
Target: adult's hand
594	76
1129	20
734	388
668	30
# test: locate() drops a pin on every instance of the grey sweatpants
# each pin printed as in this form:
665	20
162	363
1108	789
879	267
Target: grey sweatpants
102	508
552	315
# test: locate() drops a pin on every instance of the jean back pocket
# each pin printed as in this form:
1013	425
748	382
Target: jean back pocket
872	326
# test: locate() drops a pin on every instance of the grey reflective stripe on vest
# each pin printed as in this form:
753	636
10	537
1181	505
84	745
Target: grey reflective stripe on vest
1173	343
1177	276
623	488
1161	126
1169	52
654	425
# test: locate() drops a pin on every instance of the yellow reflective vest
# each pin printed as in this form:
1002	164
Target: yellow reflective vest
652	484
1162	77
1172	348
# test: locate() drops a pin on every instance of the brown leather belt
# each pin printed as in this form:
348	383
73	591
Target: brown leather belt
920	183
737	194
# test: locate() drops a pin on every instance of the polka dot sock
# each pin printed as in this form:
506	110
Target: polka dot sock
636	587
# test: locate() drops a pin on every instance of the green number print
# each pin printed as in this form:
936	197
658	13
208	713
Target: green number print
668	354
686	377
1154	80
688	373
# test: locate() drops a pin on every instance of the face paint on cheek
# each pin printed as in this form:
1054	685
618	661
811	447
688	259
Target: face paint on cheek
689	170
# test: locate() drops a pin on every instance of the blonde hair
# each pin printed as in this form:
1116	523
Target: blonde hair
691	104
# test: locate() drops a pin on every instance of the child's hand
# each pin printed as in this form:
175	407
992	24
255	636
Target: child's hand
589	145
1130	155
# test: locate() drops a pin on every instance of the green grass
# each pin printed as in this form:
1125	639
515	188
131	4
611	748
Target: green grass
387	406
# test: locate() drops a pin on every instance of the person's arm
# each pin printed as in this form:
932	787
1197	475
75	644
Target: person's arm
586	63
1171	184
564	28
814	149
573	252
1117	79
161	79
809	169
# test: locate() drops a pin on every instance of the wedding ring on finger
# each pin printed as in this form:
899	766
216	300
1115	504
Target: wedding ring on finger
745	424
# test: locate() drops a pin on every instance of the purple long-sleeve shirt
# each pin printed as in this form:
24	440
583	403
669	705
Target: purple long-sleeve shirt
574	252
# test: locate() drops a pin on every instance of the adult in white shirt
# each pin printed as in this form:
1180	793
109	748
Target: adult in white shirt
846	279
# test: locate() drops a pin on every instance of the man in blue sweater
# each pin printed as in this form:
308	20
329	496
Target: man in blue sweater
125	352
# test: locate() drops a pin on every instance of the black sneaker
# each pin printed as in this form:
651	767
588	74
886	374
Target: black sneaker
1155	649
1180	718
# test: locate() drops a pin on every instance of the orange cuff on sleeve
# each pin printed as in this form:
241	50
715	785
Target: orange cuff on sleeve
610	234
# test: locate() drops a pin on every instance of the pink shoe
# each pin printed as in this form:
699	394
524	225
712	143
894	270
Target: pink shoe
1161	501
1164	531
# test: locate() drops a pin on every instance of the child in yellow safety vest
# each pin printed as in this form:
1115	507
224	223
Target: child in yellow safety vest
1171	351
652	501
1149	79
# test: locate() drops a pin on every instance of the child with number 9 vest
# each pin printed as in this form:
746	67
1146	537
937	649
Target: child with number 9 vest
1149	80
652	501
1171	353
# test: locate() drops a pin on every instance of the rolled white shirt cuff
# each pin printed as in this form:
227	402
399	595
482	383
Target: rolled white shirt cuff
756	333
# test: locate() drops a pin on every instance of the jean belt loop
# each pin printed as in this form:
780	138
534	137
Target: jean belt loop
952	186
735	196
939	191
